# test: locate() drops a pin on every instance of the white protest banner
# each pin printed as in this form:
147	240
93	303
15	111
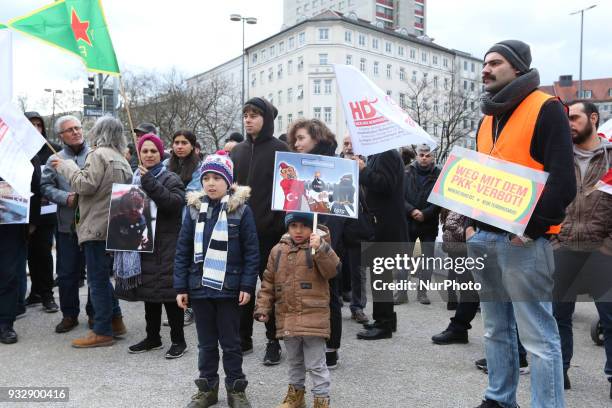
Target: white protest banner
6	65
376	123
19	142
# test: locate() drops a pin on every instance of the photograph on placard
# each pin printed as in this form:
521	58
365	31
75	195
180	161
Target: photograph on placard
14	209
131	221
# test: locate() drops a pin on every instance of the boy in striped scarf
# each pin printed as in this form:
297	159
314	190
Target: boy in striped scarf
216	265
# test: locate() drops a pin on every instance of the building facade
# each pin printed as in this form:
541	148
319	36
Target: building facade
389	14
293	70
598	91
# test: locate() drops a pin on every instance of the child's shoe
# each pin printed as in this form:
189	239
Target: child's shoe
236	397
206	396
294	398
321	402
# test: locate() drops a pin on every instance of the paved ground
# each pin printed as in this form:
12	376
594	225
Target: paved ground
406	371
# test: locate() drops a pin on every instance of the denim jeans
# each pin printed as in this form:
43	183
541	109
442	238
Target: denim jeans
359	281
103	300
13	254
69	260
516	283
571	269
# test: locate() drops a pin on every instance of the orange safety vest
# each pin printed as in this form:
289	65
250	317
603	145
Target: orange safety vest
514	142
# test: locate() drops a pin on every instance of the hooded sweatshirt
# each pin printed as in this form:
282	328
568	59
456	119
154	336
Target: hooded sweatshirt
254	167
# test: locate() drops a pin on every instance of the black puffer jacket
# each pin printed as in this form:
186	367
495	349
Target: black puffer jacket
168	192
415	197
254	167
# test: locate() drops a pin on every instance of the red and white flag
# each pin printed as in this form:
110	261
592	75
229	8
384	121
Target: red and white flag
605	184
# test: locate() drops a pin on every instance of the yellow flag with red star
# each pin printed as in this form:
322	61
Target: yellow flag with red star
77	26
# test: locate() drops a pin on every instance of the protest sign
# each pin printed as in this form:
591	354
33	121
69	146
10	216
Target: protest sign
131	221
14	209
488	189
316	184
605	184
376	123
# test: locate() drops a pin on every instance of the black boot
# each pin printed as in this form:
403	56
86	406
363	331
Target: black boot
379	323
8	335
380	329
450	337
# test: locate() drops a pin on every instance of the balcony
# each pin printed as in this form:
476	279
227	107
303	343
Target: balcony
388	3
418	13
420	1
384	16
419	25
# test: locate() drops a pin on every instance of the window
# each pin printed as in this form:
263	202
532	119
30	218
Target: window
402	100
300	92
472	105
389	93
253	79
279	72
272	51
298	11
328	115
473	67
445	62
289	67
424	56
388	71
362	40
291	42
434	59
445	107
465	104
301	39
362	64
306	8
472	85
348	36
300	114
281	47
328	86
280	97
471	124
375	43
317	113
323	34
289	119
376	68
349	60
289	95
271	98
412	54
435	129
261	77
465	123
465	85
402	74
254	58
263	54
341	5
322	59
317	87
414	77
270	74
465	68
280	123
445	83
435	106
588	94
300	64
435	82
315	4
388	48
400	51
610	92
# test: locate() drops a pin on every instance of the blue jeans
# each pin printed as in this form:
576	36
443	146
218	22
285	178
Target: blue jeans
13	254
69	261
99	268
516	286
352	257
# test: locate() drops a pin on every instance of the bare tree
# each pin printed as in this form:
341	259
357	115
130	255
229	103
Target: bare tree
209	109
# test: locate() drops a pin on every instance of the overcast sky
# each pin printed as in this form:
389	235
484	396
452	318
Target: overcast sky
196	35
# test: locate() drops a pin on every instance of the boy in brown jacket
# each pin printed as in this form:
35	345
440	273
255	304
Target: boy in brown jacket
295	282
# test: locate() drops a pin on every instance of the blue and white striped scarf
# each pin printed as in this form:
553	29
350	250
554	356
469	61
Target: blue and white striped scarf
215	261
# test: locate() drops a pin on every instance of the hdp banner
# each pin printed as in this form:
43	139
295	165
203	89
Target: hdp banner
376	123
6	66
77	26
487	189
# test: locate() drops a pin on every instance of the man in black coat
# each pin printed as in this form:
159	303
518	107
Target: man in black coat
40	259
383	179
422	216
254	167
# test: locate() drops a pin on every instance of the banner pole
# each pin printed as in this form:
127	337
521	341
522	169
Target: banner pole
129	115
314	228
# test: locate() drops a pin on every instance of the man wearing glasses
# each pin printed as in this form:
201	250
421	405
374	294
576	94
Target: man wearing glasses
56	189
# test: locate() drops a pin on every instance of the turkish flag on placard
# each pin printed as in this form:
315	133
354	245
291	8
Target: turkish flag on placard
605	184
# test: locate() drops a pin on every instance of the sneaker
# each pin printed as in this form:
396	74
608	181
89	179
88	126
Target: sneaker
176	350
273	353
246	346
331	358
523	365
145	345
188	316
33	300
489	404
49	306
359	317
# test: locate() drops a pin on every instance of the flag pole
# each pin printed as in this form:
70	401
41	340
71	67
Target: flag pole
129	115
50	147
314	228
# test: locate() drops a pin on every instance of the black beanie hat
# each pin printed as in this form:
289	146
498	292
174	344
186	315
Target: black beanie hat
261	104
516	52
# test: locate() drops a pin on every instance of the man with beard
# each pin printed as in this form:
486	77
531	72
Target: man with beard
584	253
527	127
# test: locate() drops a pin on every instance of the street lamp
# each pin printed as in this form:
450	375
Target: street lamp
53	93
580	96
248	20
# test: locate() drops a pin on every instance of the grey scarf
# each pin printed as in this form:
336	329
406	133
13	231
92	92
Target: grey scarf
510	95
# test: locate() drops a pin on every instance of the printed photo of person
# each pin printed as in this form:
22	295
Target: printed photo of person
131	221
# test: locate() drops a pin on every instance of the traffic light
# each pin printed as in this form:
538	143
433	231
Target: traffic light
91	85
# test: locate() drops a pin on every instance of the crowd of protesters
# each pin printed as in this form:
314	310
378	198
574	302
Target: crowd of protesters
216	235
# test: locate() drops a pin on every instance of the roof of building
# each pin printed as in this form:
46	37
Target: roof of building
601	89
